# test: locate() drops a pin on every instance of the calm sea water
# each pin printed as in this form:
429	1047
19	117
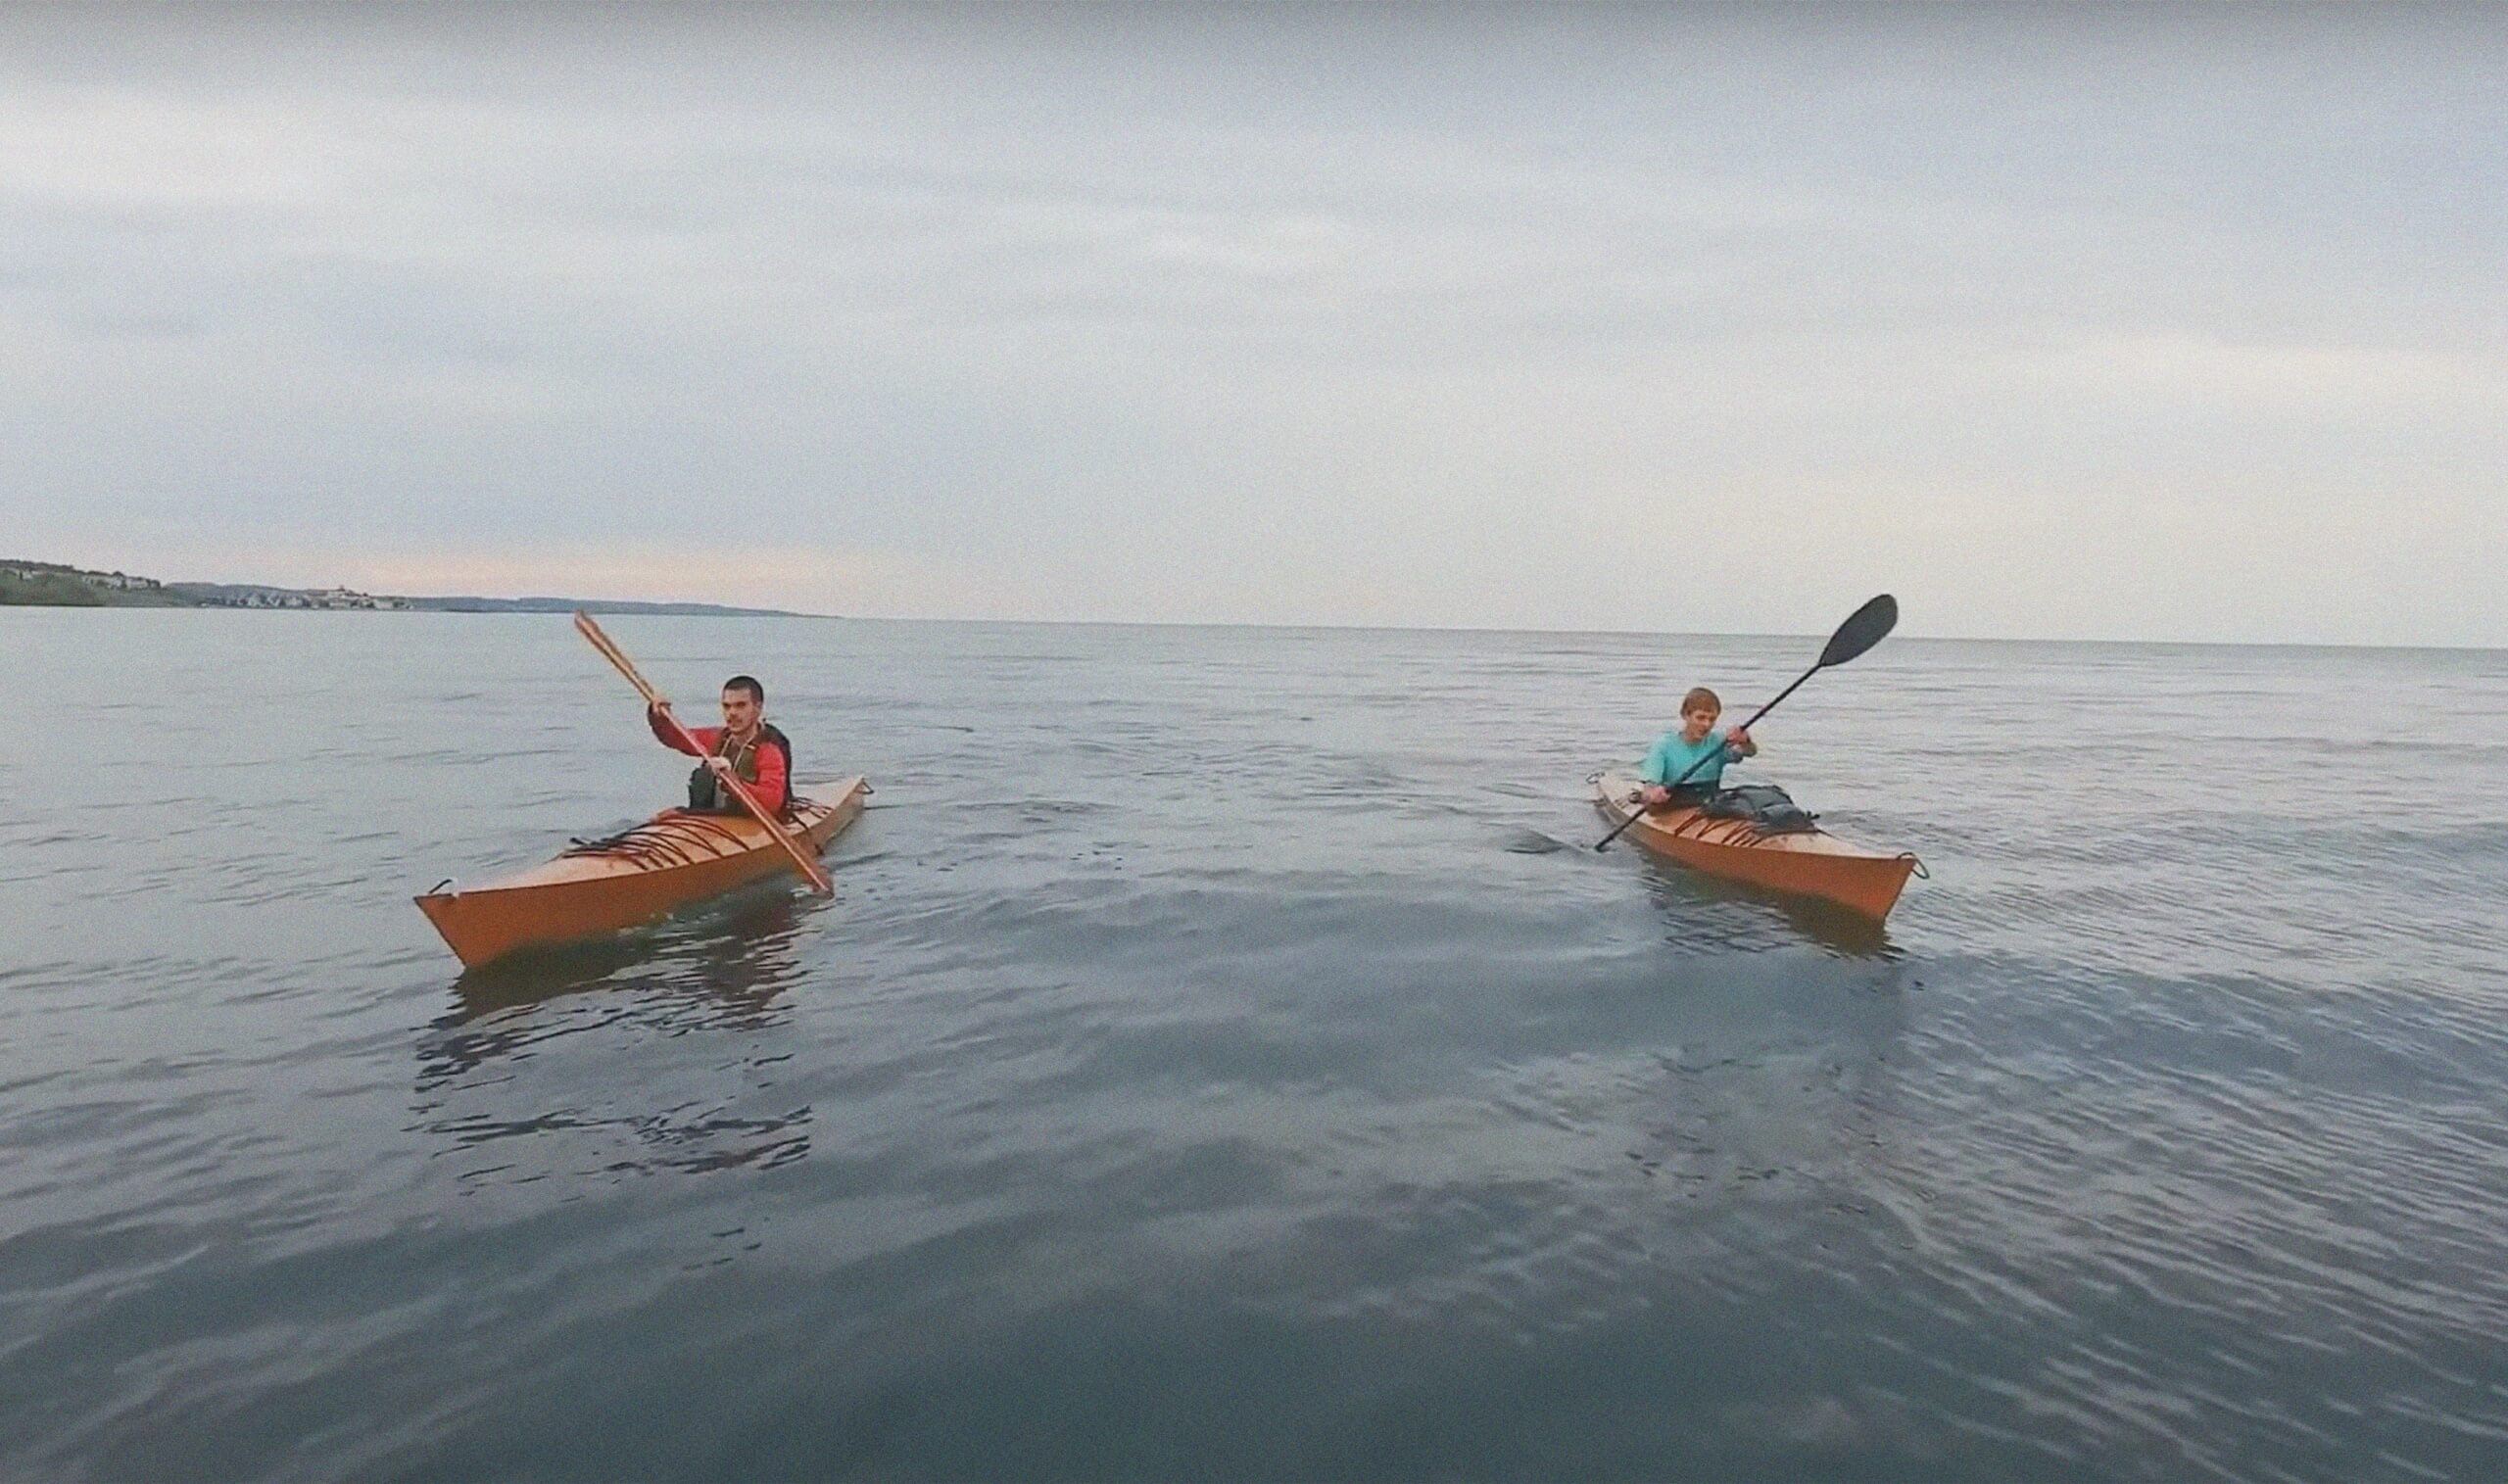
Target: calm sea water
1223	1060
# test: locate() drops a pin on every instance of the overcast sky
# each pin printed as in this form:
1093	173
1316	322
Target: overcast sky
2099	325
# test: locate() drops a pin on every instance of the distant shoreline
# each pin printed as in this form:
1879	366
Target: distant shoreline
56	585
146	593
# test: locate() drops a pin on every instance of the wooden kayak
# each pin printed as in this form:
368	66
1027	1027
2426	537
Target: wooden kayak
600	886
1809	863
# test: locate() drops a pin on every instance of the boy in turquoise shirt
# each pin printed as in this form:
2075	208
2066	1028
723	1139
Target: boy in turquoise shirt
1674	752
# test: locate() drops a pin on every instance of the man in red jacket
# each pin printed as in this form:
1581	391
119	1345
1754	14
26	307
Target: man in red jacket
744	746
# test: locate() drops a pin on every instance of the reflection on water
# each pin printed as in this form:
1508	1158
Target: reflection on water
1741	918
523	1051
529	977
736	950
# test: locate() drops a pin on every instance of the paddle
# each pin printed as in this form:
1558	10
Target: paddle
809	868
1864	628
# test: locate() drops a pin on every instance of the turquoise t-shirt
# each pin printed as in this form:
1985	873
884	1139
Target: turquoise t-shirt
1670	757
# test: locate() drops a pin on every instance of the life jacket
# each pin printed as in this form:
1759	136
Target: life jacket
705	793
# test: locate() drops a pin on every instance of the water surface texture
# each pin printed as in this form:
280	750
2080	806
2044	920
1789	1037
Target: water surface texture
1225	1060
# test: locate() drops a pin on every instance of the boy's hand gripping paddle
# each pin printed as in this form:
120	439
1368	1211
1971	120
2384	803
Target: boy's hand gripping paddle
1865	627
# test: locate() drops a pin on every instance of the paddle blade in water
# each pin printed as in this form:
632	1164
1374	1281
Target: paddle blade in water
1866	627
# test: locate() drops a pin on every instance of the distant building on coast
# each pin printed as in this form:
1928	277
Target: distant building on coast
335	599
42	571
350	597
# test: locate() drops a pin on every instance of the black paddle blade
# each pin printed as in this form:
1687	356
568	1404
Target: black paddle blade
1865	627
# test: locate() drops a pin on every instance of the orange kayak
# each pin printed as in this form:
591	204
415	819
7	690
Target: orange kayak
1809	863
667	862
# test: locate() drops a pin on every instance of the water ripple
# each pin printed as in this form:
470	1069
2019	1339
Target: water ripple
1224	1058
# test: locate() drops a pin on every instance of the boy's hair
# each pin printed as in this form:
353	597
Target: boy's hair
1701	699
748	683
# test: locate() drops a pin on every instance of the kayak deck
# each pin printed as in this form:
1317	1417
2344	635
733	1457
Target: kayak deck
600	886
1808	863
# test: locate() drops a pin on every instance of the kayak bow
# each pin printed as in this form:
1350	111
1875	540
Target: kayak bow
1809	863
670	860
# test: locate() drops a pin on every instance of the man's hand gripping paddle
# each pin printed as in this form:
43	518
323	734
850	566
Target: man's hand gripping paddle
809	869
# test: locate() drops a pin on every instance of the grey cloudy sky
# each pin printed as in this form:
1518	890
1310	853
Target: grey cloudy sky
2088	323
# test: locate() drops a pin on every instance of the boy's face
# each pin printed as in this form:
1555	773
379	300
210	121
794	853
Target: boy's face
1694	723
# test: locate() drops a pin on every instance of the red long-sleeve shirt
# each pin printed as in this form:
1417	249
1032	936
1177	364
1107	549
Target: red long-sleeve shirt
774	769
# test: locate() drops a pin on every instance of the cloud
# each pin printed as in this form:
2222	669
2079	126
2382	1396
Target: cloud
2334	380
1276	317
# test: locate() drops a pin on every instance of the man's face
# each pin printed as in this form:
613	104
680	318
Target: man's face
740	710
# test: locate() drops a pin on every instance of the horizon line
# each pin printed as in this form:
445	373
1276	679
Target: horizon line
740	611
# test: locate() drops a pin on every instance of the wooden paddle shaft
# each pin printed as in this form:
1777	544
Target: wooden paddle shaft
809	869
585	626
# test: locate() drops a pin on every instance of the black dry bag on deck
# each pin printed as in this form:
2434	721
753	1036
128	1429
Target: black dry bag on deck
1764	807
